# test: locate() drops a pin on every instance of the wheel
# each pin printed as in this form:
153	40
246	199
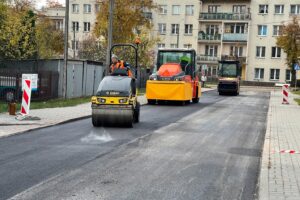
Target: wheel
9	95
95	121
137	113
151	101
196	100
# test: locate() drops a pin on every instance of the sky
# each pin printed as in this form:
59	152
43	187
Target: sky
40	3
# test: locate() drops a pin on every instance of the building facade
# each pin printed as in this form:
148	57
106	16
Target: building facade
267	62
223	34
176	23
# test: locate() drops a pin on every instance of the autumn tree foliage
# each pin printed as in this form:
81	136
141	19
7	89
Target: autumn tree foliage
289	41
129	22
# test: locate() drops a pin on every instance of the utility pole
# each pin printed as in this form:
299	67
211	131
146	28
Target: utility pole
110	33
74	36
66	38
178	37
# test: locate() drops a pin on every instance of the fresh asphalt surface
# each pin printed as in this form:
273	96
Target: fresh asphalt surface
209	150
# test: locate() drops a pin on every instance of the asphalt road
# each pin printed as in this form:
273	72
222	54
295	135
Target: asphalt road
209	150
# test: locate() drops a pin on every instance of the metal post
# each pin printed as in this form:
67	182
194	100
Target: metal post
110	34
74	36
66	38
178	37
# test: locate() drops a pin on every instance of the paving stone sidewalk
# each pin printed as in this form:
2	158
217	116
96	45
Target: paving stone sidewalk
280	172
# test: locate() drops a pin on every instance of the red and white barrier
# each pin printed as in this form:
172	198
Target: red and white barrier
291	151
26	97
285	93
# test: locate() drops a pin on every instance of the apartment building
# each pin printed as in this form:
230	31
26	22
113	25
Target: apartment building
267	62
82	18
176	23
223	33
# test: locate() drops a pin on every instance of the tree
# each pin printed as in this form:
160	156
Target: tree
128	17
289	41
17	36
50	41
91	49
54	4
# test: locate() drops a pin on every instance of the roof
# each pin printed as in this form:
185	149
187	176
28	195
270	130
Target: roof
175	49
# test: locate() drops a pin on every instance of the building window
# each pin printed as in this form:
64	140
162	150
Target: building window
262	30
259	73
288	75
279	9
175	29
176	10
276	52
173	46
75	26
214	8
87	8
75	8
87	26
263	9
187	46
274	74
162	28
295	9
237	28
236	51
239	9
277	30
59	25
188	29
211	50
260	52
212	29
97	8
189	10
161	45
163	9
75	45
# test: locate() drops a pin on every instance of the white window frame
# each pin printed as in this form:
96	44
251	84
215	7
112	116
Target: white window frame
261	30
86	26
87	8
236	50
163	9
239	9
277	30
212	50
189	10
187	46
188	29
277	52
263	9
281	9
275	75
213	8
59	25
75	45
174	29
161	45
297	9
75	25
174	46
162	28
260	49
75	8
260	75
176	8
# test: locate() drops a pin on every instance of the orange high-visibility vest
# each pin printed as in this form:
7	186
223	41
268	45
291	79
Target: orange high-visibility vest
120	65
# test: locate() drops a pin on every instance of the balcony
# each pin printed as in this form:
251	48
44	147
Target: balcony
235	37
208	37
207	58
225	16
242	59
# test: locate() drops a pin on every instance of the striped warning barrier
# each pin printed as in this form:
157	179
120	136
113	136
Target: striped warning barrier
291	151
285	93
26	97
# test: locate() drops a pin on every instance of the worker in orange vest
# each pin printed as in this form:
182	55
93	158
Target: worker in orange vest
119	64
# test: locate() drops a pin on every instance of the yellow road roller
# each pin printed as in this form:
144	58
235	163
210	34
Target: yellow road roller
176	77
115	102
